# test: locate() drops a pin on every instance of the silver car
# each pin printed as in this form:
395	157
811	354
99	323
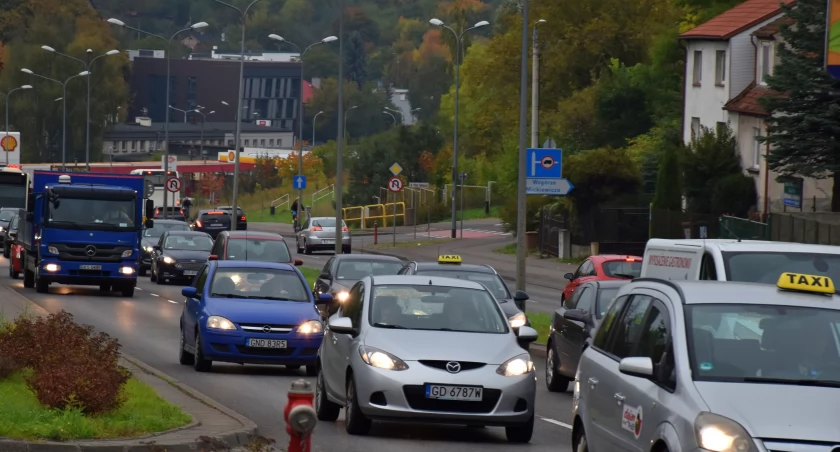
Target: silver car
425	349
318	234
713	366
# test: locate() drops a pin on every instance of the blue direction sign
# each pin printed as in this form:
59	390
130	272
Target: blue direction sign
300	182
544	174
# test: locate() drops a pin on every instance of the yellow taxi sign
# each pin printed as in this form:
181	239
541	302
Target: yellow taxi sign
449	259
806	283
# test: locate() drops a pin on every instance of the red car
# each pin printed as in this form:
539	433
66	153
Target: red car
16	261
602	267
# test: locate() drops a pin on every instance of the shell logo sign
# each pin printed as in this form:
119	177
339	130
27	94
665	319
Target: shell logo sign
230	157
8	143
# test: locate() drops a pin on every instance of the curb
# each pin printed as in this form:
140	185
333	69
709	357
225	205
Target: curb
537	349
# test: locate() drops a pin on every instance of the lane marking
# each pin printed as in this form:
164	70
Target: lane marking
154	294
138	288
552	421
173	302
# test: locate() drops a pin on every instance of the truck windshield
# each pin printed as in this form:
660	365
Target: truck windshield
106	215
765	267
12	195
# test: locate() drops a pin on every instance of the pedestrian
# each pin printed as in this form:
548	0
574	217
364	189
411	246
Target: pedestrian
186	205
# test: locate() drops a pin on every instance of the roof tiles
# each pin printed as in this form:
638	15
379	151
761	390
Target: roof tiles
736	20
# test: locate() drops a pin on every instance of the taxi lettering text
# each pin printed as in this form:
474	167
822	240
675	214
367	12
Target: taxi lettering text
449	259
806	283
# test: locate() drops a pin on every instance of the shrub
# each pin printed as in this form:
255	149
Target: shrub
73	367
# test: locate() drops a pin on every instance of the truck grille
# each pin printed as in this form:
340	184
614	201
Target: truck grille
79	252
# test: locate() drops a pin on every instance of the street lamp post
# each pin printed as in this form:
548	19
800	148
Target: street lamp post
345	119
63	109
339	151
521	204
458	40
279	38
535	94
313	126
87	65
182	111
168	42
6	98
244	14
402	116
391	115
203	120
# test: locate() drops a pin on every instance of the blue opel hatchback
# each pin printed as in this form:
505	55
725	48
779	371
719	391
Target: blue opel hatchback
250	313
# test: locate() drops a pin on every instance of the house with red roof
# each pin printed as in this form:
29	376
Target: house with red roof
727	60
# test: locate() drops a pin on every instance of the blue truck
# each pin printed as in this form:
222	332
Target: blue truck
84	229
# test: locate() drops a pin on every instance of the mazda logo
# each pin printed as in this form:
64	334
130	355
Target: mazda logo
266	329
90	250
453	367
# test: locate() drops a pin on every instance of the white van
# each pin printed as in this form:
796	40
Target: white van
737	260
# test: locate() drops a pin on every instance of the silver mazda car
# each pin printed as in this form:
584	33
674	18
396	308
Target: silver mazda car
425	349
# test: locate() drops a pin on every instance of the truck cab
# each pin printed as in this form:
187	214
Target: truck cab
84	229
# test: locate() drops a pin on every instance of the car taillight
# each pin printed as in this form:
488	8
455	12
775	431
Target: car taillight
315	228
198	223
345	229
242	218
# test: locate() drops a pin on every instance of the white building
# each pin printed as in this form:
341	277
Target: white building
727	59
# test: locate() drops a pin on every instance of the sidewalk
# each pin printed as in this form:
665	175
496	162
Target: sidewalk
211	420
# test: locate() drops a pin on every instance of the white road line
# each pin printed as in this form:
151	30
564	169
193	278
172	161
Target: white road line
552	421
173	302
137	288
154	294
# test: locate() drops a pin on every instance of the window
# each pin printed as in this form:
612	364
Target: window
720	128
352	308
698	67
766	61
720	67
271	142
585	269
605	296
756	160
695	128
122	145
230	142
199	282
708	271
252	249
355	270
629	327
262	142
247	142
606	326
625	268
765	267
656	344
586	300
328	266
573	300
492	281
244	283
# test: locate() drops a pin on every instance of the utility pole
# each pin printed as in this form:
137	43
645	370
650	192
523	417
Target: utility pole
339	165
535	89
521	204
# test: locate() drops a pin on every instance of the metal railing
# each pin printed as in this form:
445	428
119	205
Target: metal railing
281	201
323	193
383	213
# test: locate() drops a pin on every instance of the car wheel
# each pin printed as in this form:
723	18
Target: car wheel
6	252
306	248
200	364
553	380
184	357
355	422
579	444
520	433
311	370
324	408
142	271
299	249
159	280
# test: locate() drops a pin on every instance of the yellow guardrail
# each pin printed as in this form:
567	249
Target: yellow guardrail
358	210
381	212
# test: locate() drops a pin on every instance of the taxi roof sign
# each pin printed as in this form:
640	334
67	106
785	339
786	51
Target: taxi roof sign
449	259
806	283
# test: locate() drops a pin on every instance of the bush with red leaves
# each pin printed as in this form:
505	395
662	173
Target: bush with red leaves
72	367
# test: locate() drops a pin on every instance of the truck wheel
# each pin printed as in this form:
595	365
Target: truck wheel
41	286
28	278
128	291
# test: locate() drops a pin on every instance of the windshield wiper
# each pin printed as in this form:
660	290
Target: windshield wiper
229	295
262	297
799	382
70	224
388	325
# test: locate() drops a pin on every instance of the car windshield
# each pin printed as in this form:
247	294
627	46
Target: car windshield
438	308
188	243
95	214
356	270
159	228
490	280
605	297
258	250
259	283
755	343
765	267
6	215
622	269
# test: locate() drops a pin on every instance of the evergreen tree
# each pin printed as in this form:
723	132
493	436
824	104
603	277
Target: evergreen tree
356	59
668	195
710	158
805	120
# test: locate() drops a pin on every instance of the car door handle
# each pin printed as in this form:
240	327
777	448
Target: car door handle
335	339
619	398
593	382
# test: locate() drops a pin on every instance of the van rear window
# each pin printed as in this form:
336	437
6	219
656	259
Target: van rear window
765	267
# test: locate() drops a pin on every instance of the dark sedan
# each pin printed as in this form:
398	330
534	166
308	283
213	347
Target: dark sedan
6	214
573	328
11	233
151	237
344	270
179	255
212	222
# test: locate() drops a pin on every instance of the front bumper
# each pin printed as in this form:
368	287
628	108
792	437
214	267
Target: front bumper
231	347
70	272
400	395
169	271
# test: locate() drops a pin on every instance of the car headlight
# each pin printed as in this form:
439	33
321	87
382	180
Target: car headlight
168	260
517	366
381	359
311	327
342	296
148	249
720	434
517	320
52	250
220	323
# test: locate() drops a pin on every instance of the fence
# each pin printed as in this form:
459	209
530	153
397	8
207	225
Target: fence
742	228
550	226
822	228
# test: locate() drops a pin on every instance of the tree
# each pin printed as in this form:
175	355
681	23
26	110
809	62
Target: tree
804	121
356	60
710	158
668	195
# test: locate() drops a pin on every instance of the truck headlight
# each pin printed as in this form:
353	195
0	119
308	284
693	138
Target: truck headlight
126	270
516	366
720	434
220	323
52	267
518	320
311	327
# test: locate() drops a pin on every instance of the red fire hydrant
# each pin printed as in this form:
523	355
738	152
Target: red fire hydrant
300	416
375	233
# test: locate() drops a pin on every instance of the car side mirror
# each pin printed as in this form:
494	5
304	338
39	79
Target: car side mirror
636	366
298	262
341	325
149	224
520	296
325	276
569	276
576	315
190	292
323	298
527	334
156	247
